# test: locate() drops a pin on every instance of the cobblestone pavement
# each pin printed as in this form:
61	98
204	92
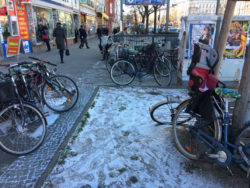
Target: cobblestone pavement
24	171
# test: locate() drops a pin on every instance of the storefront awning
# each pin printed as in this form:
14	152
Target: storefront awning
105	16
3	11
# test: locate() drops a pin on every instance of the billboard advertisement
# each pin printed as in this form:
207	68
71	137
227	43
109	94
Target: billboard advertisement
145	2
237	40
197	32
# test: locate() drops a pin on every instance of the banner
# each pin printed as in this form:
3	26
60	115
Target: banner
3	11
144	2
237	40
10	7
13	46
196	31
22	21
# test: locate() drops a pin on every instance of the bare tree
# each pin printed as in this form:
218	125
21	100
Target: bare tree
155	9
148	11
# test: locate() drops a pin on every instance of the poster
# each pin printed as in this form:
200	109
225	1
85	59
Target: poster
22	21
3	11
10	7
196	31
237	39
13	46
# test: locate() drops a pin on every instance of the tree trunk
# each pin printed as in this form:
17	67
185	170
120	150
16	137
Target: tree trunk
143	19
136	22
155	18
222	39
147	18
242	104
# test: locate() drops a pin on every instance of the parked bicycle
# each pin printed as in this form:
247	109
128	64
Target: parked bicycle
22	125
200	137
142	61
41	86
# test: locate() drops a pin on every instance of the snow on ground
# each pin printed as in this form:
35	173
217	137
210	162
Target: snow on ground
121	146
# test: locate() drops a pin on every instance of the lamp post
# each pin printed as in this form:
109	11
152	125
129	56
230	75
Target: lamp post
167	14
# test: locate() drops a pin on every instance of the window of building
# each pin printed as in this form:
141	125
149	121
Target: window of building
4	24
67	22
43	19
111	8
2	3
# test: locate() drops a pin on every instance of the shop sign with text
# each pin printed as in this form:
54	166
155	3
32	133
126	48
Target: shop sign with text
22	21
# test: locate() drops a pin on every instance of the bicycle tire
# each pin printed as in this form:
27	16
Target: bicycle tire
245	131
126	68
5	138
163	73
187	149
69	100
156	116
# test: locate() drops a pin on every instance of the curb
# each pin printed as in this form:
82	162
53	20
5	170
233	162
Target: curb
54	160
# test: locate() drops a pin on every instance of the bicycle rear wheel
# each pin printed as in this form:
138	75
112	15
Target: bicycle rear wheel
162	72
122	72
60	93
21	131
185	141
243	139
162	112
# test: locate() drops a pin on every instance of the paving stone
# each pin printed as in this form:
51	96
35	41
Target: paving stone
25	171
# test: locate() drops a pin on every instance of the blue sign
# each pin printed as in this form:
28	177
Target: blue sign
144	2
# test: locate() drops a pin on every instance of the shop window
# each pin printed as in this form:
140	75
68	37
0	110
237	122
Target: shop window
43	20
67	22
2	3
4	24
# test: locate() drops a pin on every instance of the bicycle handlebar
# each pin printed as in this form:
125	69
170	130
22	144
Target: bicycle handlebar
43	61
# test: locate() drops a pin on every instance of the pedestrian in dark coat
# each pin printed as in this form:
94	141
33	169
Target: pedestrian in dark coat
76	34
61	40
45	37
83	37
99	35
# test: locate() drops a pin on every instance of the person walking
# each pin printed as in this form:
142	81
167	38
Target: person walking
99	35
60	36
76	34
83	37
45	37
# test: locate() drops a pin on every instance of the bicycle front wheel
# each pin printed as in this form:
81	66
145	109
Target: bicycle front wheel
122	72
22	129
163	112
60	93
162	72
185	140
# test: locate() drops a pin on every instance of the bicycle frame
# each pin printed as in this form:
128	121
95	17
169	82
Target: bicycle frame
212	143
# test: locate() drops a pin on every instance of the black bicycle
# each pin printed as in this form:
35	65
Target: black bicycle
22	125
42	86
143	61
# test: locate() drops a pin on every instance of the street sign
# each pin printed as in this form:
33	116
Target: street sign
145	2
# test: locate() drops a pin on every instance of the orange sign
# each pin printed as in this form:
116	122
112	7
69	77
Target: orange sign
13	46
22	21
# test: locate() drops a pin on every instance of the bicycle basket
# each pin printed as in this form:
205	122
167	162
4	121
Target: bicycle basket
7	92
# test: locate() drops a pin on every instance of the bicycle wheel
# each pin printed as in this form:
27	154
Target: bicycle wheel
21	131
162	72
109	64
243	139
122	72
163	112
60	93
185	141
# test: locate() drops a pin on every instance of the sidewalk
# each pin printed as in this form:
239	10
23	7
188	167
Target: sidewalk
120	146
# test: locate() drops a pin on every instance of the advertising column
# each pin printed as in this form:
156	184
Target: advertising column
23	26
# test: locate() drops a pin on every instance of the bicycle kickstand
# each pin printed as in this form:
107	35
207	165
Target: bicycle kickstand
230	171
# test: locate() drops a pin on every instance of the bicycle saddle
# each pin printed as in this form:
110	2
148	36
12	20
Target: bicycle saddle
227	93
